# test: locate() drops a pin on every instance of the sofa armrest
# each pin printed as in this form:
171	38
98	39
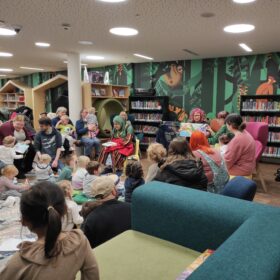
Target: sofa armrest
191	218
252	252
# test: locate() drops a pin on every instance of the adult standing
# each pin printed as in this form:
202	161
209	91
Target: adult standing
48	141
240	153
61	111
181	167
83	135
16	128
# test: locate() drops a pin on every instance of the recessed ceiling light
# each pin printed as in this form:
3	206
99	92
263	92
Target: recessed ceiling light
6	31
85	42
5	54
94	57
31	68
207	15
124	31
6	70
42	44
111	1
243	1
239	28
245	47
3	75
82	64
143	56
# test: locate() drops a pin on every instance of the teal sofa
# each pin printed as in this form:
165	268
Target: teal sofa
245	235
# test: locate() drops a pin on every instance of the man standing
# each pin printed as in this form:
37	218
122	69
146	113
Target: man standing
48	141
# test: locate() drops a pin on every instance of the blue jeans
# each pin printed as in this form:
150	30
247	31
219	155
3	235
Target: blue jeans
91	143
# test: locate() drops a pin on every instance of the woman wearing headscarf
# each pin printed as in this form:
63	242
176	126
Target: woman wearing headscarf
122	147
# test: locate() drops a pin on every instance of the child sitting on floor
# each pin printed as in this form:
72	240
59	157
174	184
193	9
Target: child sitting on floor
56	254
43	169
223	141
67	131
72	218
134	173
93	172
7	150
66	172
79	175
157	154
7	186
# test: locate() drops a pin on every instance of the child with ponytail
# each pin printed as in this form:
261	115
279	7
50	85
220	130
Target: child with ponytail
56	254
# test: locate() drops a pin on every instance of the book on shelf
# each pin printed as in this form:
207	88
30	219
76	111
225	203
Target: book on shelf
148	117
271	121
118	92
146	105
273	152
148	140
274	137
195	264
145	129
255	105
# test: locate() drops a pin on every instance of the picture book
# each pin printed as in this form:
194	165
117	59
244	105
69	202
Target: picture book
194	265
186	129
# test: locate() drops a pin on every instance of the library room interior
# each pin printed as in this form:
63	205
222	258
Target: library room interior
139	139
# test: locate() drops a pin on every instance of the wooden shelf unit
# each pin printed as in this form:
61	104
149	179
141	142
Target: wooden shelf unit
92	92
264	108
15	94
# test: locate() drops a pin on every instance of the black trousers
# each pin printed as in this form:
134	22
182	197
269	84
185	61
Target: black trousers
24	165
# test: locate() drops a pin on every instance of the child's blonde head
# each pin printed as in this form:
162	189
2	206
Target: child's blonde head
82	161
9	141
45	158
92	110
66	187
156	152
9	171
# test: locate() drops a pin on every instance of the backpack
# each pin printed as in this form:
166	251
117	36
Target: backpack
220	174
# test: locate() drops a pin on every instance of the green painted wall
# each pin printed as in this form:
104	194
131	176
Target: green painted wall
212	84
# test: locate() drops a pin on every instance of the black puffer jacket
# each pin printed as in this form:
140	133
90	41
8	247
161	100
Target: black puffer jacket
186	173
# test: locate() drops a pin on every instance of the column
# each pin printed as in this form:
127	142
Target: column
74	86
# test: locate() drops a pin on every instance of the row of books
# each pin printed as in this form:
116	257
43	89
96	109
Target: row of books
98	91
274	137
146	105
272	152
271	121
255	105
148	140
145	129
148	117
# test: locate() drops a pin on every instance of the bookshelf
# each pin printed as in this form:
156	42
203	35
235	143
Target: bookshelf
264	108
108	100
15	94
148	111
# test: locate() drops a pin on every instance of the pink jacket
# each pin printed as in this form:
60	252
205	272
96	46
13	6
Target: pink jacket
240	155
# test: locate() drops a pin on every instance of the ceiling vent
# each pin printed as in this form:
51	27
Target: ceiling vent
190	52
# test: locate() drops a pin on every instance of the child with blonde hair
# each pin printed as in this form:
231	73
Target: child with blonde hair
156	154
72	218
7	186
43	169
7	150
80	173
91	117
67	131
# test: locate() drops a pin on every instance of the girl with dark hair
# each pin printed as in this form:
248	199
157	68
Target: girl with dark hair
182	167
135	174
42	209
240	153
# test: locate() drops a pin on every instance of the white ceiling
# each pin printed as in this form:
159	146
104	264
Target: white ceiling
165	28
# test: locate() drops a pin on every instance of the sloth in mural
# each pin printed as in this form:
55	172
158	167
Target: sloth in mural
170	84
267	87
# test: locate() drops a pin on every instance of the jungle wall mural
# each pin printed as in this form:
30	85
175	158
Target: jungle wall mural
213	84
